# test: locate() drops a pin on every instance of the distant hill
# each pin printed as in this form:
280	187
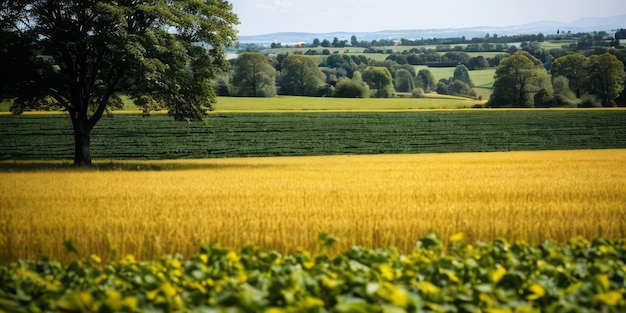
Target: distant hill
588	24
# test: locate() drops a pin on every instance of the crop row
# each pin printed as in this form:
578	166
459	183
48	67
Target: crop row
577	276
128	136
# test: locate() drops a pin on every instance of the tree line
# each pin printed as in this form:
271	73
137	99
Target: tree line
521	78
340	75
493	41
573	80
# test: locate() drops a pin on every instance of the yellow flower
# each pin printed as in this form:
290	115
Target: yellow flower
100	279
95	258
537	292
603	279
427	287
232	256
486	299
610	298
76	301
331	283
457	237
393	294
497	275
130	303
168	289
151	295
499	310
526	309
129	259
308	264
174	263
386	271
113	299
311	303
574	287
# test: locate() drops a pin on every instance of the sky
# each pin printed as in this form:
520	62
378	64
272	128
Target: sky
259	17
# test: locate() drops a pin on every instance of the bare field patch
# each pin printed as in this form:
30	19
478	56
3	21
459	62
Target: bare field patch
283	203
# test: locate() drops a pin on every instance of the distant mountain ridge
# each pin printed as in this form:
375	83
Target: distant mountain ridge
587	24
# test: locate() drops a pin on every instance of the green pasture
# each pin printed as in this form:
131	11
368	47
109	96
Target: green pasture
557	44
131	136
479	77
318	49
292	103
438	72
376	56
483	77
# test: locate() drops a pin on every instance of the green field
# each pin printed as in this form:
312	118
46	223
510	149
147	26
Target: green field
129	136
479	77
291	103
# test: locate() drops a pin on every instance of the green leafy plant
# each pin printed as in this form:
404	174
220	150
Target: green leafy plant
438	276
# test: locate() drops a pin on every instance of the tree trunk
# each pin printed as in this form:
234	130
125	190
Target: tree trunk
82	154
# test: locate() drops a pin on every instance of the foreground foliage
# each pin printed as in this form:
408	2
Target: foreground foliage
577	276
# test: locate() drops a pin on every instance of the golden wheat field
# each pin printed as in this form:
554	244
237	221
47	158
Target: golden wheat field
284	203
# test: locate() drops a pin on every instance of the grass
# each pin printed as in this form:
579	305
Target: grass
283	203
481	78
299	104
319	50
438	72
557	44
129	136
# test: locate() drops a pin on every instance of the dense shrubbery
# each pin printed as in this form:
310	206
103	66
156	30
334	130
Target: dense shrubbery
577	276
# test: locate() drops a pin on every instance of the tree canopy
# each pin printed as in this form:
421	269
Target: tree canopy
573	67
352	88
81	56
379	78
518	78
426	80
254	76
605	77
461	73
404	81
300	76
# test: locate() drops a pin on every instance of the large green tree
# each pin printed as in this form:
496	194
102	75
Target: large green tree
404	81
461	73
82	55
379	78
352	88
572	66
426	80
563	95
300	76
605	77
254	76
519	77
